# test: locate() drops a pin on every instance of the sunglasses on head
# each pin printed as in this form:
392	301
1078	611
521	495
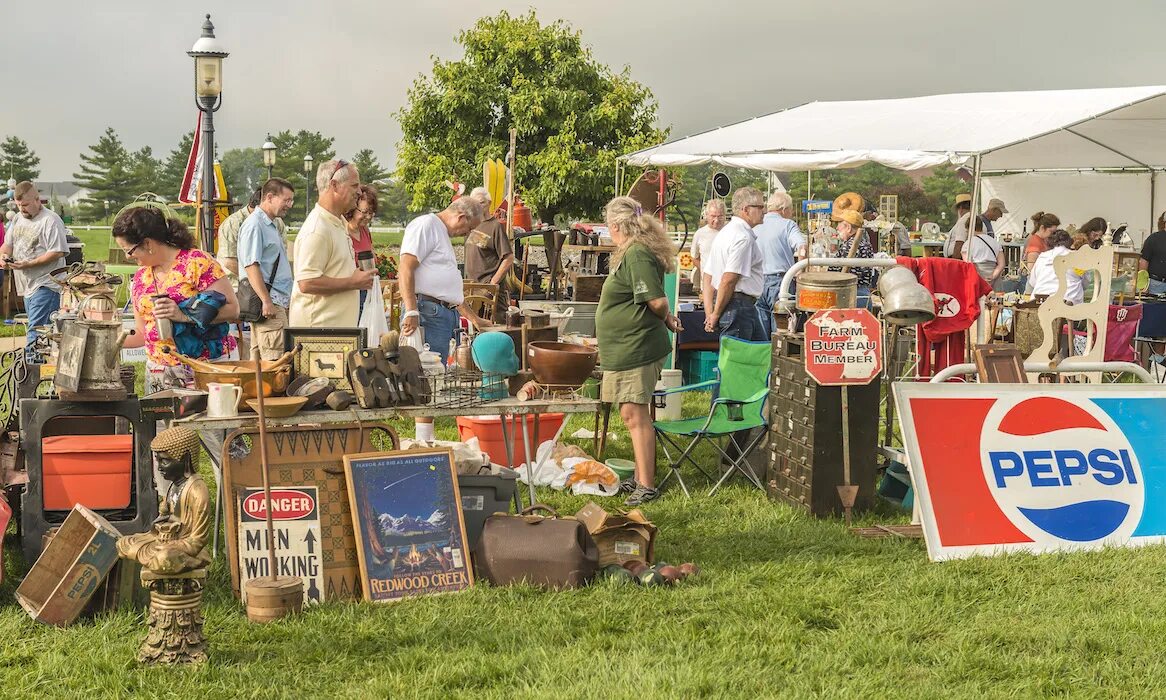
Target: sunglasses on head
340	165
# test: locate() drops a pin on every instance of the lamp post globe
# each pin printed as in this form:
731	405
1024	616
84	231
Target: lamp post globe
308	176
269	155
208	54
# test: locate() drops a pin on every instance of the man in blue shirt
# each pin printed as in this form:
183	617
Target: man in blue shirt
780	241
261	251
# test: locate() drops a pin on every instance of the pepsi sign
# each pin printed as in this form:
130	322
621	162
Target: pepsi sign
1001	468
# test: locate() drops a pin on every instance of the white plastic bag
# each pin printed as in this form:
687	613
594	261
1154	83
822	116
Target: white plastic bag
372	316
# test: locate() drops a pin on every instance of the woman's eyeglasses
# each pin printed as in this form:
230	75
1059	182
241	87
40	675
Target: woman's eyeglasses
130	253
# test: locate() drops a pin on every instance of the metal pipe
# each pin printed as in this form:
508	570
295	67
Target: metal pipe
784	298
1044	368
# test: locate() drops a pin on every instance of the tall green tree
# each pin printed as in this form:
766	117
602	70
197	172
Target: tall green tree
243	171
173	169
143	167
371	171
290	151
942	186
106	173
394	203
17	160
574	117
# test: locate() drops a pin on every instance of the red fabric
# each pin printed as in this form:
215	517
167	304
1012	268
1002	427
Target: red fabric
948	351
947	277
1120	329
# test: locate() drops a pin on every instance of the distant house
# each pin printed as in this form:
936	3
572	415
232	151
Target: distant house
63	197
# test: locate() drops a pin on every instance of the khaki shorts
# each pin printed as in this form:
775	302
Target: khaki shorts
267	335
631	385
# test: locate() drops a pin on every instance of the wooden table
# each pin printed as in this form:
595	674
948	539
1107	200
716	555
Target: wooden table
510	409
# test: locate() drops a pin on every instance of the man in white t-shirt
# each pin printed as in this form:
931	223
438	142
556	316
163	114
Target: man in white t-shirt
986	253
34	246
953	247
735	270
431	285
702	240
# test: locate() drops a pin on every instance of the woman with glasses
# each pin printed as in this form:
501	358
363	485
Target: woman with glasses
357	221
177	288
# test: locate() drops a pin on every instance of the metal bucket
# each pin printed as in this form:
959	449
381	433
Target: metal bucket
827	290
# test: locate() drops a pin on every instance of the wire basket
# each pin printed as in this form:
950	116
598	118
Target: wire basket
458	387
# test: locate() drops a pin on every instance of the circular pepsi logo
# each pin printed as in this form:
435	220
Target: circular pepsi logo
1061	469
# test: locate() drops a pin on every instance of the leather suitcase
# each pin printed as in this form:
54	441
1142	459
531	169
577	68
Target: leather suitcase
551	552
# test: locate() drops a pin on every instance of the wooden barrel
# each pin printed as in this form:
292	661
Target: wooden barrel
271	598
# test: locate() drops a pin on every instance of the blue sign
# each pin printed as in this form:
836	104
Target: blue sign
817	206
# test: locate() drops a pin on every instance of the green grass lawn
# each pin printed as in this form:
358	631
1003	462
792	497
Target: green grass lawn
786	606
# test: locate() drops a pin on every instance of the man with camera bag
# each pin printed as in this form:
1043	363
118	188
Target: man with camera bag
263	258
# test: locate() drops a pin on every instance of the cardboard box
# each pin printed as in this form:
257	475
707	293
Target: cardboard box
620	537
68	572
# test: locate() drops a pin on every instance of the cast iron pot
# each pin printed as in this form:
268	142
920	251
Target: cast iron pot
561	364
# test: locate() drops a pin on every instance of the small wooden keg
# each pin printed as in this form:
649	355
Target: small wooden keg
270	598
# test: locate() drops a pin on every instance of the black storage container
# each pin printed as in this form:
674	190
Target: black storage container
482	496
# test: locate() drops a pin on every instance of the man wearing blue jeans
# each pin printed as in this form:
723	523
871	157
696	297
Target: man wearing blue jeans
734	271
780	240
1154	257
431	285
33	248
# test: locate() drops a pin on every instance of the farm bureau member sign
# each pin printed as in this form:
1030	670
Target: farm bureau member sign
295	513
843	346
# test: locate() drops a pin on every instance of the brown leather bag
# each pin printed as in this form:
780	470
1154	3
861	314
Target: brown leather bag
551	552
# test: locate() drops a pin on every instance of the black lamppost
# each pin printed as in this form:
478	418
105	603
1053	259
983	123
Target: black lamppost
208	56
269	155
308	192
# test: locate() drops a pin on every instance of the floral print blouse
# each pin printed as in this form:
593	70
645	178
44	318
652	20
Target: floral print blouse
194	271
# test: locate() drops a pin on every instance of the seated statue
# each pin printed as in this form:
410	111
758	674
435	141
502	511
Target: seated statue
178	541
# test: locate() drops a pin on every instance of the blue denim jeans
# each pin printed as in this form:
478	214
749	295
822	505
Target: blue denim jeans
1157	287
440	324
40	306
863	301
768	299
741	320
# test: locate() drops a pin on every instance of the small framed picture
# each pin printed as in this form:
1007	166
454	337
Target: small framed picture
324	351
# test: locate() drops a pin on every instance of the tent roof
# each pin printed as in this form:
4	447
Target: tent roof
1034	130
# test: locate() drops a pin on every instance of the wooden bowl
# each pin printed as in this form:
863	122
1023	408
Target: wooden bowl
279	406
561	364
242	374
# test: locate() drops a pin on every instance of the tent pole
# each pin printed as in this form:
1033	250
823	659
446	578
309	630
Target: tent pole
1153	223
974	212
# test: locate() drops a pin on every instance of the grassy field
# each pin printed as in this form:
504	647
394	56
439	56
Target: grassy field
786	606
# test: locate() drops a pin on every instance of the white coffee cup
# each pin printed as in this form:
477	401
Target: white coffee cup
223	400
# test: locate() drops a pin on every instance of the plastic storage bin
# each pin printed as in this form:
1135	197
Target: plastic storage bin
698	365
93	470
488	430
483	495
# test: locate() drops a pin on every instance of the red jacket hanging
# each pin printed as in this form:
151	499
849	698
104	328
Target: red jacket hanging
957	288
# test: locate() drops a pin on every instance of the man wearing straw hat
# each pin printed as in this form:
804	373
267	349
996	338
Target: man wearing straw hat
953	247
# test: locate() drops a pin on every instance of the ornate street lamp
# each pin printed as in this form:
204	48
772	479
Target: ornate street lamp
269	155
307	176
208	54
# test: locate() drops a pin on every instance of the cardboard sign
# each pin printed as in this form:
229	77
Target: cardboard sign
1002	468
295	514
843	346
411	536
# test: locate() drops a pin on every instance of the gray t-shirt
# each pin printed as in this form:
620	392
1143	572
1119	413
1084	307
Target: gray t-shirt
32	238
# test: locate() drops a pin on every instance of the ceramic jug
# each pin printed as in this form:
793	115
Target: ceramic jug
223	400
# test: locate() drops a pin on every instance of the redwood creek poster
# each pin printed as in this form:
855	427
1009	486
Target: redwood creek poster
408	520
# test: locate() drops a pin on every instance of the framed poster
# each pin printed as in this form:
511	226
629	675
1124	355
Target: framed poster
324	351
407	515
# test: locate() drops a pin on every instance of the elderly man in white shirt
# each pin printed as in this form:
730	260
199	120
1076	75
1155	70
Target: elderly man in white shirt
702	240
735	270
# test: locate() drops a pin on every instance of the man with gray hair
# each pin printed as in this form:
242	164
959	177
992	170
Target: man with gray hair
734	270
327	289
489	253
702	241
431	285
780	240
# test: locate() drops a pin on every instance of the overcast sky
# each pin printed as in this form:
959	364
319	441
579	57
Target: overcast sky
343	67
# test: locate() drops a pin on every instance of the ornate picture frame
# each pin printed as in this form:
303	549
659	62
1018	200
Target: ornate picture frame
323	351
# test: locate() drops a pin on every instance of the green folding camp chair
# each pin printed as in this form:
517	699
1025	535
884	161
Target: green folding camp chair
738	405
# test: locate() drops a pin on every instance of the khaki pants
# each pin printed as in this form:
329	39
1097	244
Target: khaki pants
267	336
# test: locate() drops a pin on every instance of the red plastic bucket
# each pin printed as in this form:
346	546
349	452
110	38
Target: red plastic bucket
488	430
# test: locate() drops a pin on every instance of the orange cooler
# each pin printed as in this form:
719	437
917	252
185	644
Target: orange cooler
93	470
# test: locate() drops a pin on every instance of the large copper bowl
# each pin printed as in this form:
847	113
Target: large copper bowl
243	374
563	365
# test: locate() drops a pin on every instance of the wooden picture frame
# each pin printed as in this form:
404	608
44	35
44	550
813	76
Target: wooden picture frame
1000	363
324	352
407	516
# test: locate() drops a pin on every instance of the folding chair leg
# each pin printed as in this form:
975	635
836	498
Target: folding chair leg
740	464
674	465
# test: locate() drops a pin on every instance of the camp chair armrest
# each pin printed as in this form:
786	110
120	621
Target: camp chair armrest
755	397
700	386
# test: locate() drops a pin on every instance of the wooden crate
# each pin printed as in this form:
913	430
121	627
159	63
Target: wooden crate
68	572
587	287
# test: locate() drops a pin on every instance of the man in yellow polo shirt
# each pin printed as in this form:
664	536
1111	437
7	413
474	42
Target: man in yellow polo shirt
327	289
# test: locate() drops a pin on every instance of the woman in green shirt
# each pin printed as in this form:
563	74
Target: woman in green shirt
632	323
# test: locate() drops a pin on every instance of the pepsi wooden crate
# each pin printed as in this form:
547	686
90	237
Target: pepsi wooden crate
69	570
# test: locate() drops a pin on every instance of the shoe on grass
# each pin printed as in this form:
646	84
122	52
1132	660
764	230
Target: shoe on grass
628	485
641	495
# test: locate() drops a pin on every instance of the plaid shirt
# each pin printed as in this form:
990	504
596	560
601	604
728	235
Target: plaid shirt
866	275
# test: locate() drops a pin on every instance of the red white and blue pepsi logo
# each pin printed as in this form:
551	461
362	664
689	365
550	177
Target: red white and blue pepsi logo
1070	468
1061	469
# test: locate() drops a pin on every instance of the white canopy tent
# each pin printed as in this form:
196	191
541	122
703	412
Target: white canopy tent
1003	136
